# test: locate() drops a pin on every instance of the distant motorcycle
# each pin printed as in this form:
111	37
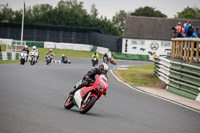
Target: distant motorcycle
112	61
23	57
32	58
65	60
48	59
105	60
94	61
86	97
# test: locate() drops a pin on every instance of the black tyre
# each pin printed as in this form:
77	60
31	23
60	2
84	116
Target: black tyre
22	62
85	107
69	103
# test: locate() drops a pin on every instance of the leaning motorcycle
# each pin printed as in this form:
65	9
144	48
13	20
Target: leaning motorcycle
94	61
32	58
23	57
86	97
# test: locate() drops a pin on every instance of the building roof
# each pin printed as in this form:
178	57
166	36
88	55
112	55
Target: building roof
151	28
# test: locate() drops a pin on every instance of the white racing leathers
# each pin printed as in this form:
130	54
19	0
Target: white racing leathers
33	54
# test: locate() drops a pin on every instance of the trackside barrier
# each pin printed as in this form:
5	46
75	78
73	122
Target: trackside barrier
181	78
118	55
9	56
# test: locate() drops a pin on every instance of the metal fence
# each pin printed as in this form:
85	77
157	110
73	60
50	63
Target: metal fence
90	36
181	78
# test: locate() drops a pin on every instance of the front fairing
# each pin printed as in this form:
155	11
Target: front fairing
94	89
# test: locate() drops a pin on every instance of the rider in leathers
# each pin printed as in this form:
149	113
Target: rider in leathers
90	76
26	49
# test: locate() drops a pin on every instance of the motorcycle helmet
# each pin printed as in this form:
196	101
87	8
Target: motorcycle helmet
63	55
103	68
34	47
25	46
50	50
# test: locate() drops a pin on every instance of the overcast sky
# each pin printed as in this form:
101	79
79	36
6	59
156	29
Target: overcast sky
110	7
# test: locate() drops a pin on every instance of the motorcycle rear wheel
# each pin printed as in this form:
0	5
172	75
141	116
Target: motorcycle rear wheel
85	107
68	103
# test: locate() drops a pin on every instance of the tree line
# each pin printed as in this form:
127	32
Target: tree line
71	13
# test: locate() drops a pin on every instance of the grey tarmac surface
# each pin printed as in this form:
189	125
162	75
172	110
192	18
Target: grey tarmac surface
32	99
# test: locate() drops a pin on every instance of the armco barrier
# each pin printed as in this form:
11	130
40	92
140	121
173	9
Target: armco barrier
117	55
182	79
9	56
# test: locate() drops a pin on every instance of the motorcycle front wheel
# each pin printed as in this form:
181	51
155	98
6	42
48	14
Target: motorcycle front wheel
22	62
69	103
85	107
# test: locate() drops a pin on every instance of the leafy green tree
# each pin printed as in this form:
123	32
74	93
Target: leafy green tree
119	19
94	12
68	13
148	12
6	13
189	13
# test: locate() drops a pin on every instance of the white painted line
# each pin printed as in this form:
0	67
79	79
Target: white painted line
195	110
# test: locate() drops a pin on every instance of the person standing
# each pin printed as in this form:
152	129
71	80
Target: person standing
175	33
189	30
180	28
197	31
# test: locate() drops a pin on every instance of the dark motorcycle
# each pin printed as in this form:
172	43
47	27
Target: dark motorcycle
48	59
94	61
105	60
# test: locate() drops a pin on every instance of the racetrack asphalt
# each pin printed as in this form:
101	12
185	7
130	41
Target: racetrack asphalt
32	99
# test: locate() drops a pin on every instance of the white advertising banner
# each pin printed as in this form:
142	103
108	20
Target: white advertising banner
6	41
146	47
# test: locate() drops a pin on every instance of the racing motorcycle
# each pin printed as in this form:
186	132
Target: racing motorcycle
48	58
32	57
94	61
105	60
86	97
23	57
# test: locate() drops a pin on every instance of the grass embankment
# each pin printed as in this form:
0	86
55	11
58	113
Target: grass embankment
57	52
140	76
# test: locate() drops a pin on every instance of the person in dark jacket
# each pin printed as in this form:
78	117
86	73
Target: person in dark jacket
105	58
64	59
175	33
90	76
26	49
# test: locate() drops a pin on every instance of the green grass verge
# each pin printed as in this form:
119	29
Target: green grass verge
9	61
68	53
140	76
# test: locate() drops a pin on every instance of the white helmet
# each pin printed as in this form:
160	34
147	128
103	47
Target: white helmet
25	46
103	68
34	47
63	55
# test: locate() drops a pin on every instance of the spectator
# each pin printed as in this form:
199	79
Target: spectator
175	33
180	28
189	29
197	31
184	25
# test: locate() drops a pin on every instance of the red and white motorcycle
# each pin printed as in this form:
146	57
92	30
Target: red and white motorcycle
86	97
